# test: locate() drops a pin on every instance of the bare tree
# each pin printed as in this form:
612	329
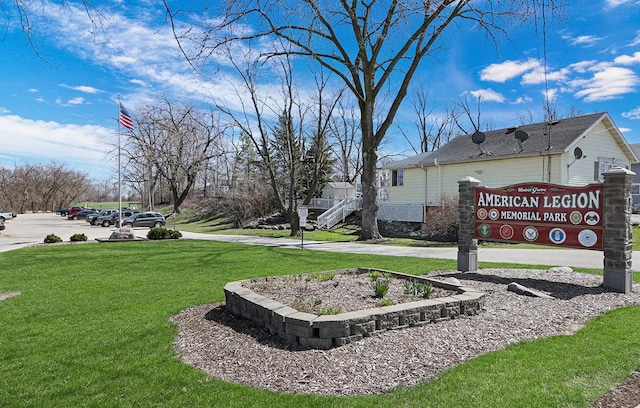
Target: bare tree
292	153
372	46
41	187
346	142
173	142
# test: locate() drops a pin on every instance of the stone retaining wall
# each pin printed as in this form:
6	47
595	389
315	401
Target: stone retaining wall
327	331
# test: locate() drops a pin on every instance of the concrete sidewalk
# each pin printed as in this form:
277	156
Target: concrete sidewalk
543	256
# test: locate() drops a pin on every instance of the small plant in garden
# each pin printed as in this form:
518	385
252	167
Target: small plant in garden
386	302
52	239
324	276
317	302
375	275
330	311
78	238
414	288
380	286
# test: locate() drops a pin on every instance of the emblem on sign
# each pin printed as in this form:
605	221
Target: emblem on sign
494	214
484	230
557	235
482	214
530	233
576	217
587	238
592	218
506	231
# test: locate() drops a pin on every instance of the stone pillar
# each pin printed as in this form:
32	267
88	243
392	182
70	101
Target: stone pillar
617	239
467	245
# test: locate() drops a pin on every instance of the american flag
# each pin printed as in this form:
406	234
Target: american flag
125	118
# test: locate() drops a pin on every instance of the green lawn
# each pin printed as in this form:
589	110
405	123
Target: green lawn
91	328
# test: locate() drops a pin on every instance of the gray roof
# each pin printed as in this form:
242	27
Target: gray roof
543	138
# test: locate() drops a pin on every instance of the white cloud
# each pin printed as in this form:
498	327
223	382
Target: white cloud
550	94
606	84
584	40
636	41
628	59
80	147
632	114
536	76
32	90
582	66
76	101
521	100
624	129
487	95
82	88
616	3
508	70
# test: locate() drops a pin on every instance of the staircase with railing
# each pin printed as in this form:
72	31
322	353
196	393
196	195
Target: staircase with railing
338	212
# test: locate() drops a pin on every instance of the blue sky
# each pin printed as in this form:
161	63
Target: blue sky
60	104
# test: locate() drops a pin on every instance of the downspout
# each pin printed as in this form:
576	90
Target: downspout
424	212
435	161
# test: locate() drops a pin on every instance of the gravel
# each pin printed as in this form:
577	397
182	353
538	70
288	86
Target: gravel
234	350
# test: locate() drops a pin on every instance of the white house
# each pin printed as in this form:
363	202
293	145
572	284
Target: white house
574	151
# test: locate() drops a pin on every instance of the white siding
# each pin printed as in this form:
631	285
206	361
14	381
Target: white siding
412	191
491	173
597	145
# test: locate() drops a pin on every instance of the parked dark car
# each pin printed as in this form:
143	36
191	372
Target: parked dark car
144	219
93	218
111	219
80	215
1	225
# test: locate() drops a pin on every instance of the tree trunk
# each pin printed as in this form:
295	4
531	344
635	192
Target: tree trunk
369	225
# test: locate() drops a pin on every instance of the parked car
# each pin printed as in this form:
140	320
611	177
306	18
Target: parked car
1	225
144	219
111	219
93	218
80	215
74	210
6	216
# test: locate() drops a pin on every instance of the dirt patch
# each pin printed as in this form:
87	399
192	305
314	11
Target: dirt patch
343	290
7	295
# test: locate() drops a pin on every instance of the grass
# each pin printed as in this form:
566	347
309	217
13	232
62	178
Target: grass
91	328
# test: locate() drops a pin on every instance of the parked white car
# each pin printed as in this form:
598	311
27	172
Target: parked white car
6	216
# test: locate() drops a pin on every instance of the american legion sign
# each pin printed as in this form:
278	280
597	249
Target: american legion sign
593	217
546	214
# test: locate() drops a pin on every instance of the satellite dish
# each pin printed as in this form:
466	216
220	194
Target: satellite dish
577	153
478	137
521	135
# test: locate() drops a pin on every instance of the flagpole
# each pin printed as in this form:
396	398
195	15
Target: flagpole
119	172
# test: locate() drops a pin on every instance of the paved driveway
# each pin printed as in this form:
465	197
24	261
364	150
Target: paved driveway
30	229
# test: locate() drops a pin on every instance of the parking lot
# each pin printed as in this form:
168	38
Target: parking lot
30	229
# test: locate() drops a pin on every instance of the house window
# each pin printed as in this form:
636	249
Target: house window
602	167
635	189
397	177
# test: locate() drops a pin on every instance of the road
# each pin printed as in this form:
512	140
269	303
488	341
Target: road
30	229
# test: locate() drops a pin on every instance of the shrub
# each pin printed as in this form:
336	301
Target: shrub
78	238
442	222
163	233
52	239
